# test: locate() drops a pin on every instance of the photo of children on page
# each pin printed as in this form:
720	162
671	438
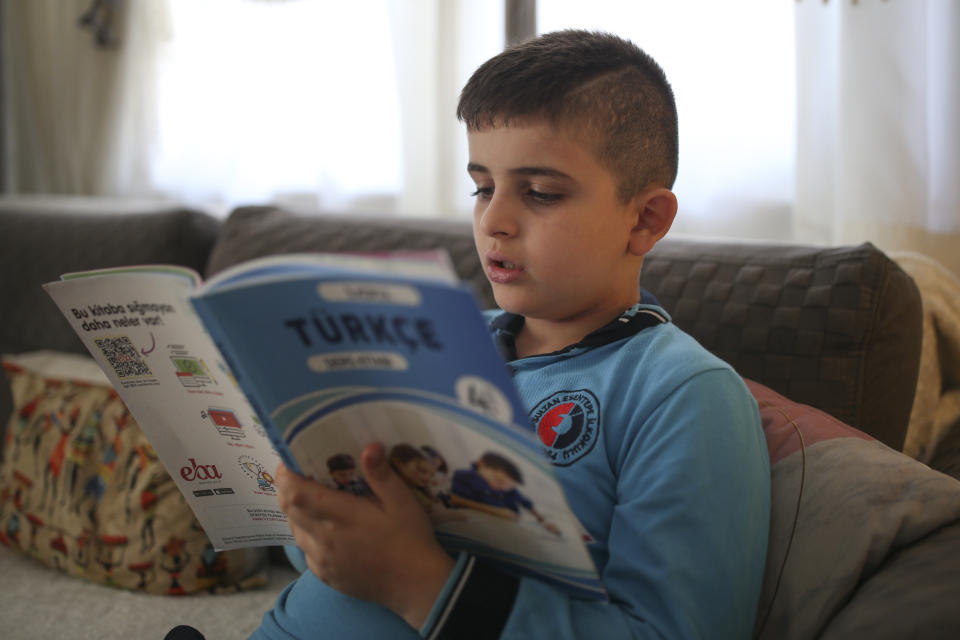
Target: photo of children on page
344	476
475	483
418	469
490	486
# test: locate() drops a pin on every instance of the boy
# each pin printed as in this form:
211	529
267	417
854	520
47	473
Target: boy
573	149
490	485
343	472
416	469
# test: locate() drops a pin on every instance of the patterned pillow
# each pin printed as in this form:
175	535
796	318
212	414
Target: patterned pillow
82	490
842	503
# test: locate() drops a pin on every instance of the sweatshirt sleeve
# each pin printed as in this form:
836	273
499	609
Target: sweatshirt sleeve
687	541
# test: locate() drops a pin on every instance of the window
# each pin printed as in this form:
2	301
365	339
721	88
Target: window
731	65
313	104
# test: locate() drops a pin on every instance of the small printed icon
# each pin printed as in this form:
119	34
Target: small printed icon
190	371
255	470
226	422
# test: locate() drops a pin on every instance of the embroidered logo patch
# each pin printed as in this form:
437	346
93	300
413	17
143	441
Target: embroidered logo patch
567	423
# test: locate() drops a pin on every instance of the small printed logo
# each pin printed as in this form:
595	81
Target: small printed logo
194	471
567	424
483	397
203	493
255	470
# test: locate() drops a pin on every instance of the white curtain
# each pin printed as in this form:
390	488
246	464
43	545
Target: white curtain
309	103
340	106
76	117
878	124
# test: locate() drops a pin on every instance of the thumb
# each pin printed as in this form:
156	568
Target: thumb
389	487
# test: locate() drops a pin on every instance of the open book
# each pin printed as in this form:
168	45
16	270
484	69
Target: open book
308	358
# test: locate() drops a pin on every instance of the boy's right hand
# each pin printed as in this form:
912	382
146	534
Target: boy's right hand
380	549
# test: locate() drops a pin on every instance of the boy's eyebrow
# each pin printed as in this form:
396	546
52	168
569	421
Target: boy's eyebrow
473	167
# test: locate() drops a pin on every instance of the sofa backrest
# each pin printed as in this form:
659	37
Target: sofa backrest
837	328
253	232
42	239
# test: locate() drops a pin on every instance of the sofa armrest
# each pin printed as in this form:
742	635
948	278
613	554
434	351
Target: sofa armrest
912	595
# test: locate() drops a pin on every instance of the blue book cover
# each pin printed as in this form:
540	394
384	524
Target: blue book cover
335	352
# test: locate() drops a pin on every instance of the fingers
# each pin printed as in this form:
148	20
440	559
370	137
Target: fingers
302	497
392	491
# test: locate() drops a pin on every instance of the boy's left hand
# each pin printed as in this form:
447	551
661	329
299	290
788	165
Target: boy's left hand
381	549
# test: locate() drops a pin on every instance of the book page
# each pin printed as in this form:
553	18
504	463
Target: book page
141	329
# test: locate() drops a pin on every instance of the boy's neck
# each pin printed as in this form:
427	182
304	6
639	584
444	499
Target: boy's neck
538	336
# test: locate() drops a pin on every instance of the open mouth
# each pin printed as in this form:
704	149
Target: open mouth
503	271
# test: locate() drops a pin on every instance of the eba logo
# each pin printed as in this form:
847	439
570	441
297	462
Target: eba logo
194	471
567	424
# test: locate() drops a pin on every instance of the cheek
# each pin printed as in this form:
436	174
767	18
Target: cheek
478	235
557	251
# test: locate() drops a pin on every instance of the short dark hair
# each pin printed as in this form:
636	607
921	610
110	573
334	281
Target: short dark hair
595	82
340	462
404	452
496	461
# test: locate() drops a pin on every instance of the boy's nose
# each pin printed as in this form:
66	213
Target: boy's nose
499	218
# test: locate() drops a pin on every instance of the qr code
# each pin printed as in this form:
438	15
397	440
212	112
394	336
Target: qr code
123	357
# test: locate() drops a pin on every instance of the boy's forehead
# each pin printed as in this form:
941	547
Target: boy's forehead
521	127
525	141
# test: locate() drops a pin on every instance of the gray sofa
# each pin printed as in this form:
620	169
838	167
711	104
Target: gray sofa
838	329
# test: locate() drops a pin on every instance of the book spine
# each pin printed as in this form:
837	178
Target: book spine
246	385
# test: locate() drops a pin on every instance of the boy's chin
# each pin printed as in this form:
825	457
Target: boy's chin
511	300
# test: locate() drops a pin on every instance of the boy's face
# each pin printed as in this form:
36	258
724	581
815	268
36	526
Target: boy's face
549	228
417	471
498	479
343	476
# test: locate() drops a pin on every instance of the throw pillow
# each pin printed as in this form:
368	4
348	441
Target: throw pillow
841	504
82	490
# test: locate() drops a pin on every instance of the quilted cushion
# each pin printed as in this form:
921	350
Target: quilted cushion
82	490
837	328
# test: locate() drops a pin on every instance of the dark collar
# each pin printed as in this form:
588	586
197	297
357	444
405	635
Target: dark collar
506	326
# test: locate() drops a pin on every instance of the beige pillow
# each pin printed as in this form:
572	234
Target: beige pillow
82	490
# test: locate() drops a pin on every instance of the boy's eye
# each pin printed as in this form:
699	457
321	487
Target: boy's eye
545	198
482	192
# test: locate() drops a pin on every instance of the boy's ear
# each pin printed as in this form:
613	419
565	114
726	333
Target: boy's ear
655	210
